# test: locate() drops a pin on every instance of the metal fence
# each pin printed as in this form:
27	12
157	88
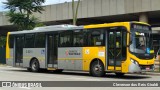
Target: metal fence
2	55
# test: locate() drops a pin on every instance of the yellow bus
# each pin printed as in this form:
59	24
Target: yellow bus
120	48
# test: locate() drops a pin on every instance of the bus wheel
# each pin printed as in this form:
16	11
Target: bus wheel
97	69
35	65
119	74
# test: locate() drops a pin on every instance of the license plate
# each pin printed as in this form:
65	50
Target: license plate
147	68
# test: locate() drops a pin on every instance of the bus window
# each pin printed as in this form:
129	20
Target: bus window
124	45
85	38
11	41
29	41
40	40
77	38
66	39
19	43
96	37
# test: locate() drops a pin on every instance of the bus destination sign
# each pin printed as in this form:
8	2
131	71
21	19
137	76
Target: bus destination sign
140	27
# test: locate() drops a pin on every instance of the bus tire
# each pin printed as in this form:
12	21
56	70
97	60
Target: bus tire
119	74
35	65
97	70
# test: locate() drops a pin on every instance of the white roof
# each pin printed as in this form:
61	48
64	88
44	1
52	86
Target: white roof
49	29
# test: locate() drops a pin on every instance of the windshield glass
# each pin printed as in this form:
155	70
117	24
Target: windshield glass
140	41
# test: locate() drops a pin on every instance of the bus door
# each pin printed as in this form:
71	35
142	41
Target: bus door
19	43
114	50
52	47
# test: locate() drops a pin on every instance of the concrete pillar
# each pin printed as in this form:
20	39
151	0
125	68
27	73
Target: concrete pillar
143	17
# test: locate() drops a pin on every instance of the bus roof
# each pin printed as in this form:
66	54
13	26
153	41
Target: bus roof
112	24
73	27
49	29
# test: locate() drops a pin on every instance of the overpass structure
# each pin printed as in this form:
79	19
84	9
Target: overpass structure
95	11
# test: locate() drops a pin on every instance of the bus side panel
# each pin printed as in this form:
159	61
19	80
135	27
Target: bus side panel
30	53
70	58
10	60
90	53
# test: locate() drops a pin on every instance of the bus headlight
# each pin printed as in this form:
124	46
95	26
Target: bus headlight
135	62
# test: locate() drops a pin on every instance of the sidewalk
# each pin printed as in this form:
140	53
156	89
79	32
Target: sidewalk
3	64
152	73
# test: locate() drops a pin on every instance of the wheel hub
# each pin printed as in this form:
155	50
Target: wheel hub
34	66
97	68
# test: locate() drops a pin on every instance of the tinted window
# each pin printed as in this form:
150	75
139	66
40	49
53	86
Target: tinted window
77	38
19	43
40	40
85	37
29	41
66	39
11	41
124	44
94	37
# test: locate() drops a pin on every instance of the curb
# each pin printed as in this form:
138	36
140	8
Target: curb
3	65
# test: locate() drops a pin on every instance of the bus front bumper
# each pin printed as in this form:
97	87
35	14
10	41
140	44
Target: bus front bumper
136	68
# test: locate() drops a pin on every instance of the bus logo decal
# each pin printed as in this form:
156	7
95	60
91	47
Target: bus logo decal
87	51
72	52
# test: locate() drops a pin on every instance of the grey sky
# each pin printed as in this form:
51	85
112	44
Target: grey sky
48	2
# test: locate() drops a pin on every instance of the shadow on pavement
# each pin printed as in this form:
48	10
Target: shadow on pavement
79	73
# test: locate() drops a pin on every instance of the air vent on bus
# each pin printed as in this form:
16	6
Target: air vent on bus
54	26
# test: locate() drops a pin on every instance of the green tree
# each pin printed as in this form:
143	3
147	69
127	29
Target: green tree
75	11
21	12
2	41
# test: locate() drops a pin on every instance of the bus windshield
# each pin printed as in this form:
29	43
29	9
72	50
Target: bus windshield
140	41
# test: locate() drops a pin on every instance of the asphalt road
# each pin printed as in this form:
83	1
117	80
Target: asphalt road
8	73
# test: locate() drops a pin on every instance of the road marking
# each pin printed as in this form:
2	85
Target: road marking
8	66
25	87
